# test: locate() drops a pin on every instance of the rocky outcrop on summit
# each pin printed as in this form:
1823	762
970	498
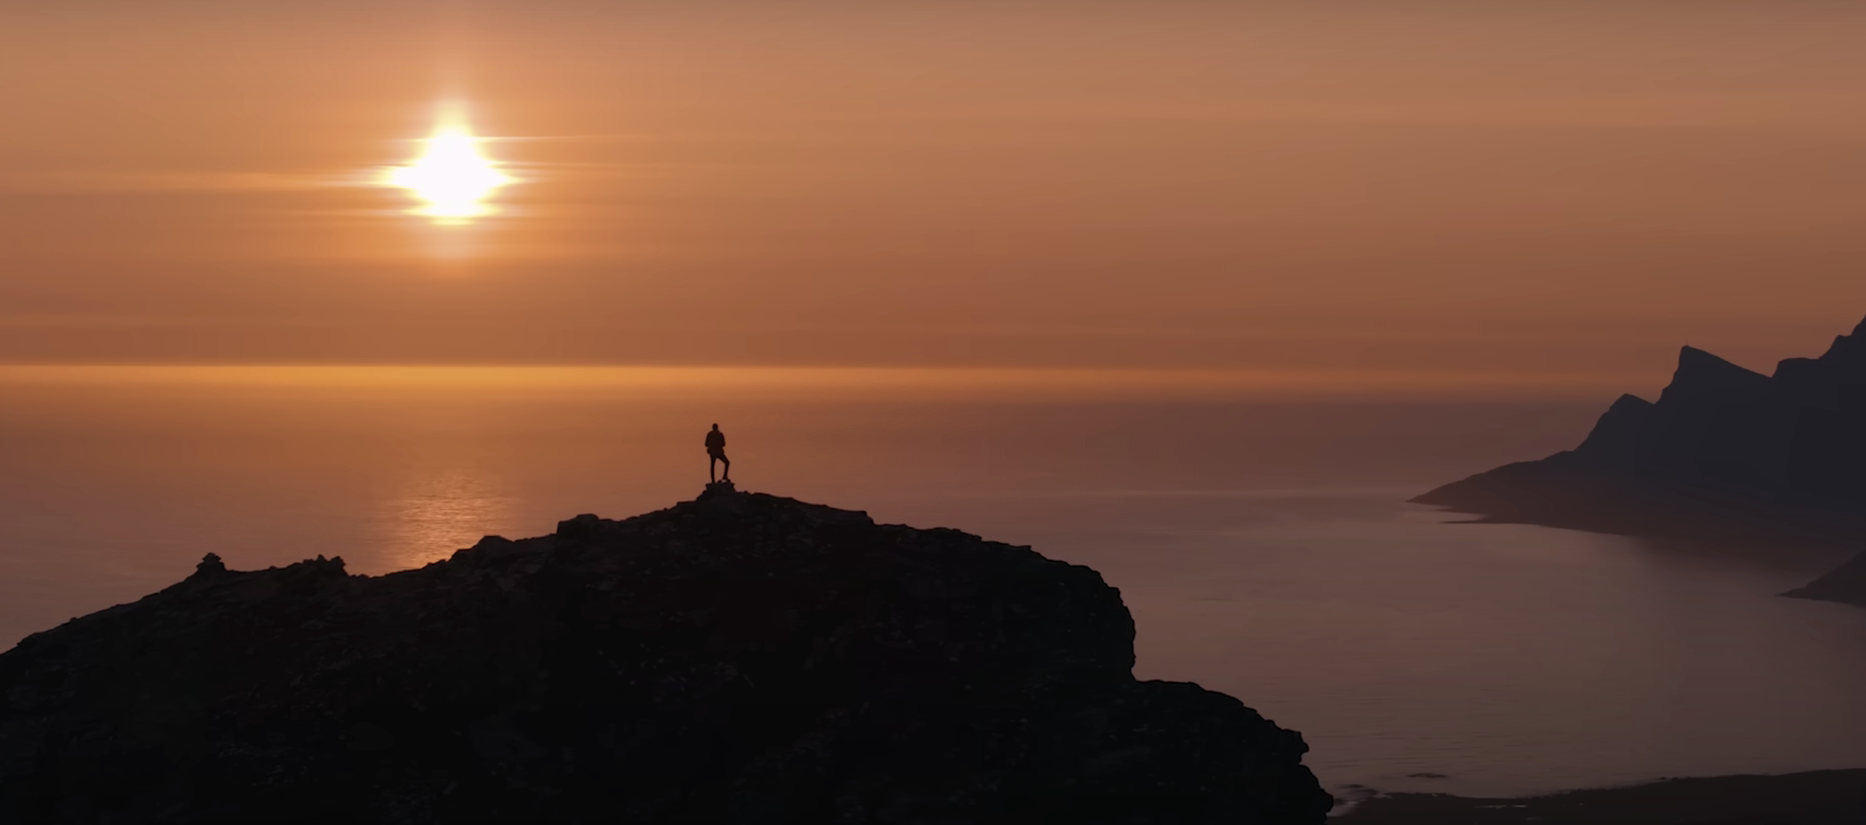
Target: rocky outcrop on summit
1724	452
740	658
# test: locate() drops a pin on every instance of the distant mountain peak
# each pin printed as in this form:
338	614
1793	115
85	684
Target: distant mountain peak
1695	360
1849	350
1616	435
1702	376
1726	452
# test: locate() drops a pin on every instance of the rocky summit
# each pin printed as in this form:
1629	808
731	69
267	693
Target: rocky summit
740	658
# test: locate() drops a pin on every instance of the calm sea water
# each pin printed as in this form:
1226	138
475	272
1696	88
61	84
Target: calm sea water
1262	545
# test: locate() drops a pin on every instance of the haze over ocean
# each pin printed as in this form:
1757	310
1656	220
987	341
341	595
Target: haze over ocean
1547	188
1196	294
1261	543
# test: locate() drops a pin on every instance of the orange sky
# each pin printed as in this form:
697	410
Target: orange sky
1553	187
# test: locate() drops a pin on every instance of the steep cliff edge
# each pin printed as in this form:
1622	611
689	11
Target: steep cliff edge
739	658
1724	453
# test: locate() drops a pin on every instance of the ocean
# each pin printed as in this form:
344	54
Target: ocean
1261	540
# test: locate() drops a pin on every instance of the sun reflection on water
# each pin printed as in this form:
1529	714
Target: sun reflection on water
440	510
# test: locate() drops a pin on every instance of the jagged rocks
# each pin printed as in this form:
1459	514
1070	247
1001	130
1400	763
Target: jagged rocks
741	658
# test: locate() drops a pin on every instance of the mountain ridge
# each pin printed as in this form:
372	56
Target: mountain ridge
1723	453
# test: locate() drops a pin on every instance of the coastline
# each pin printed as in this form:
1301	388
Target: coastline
1826	797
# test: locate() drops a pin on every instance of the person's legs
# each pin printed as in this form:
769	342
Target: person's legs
712	469
727	475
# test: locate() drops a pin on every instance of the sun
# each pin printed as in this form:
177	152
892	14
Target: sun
452	178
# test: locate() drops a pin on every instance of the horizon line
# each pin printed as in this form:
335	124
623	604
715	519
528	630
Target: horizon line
766	380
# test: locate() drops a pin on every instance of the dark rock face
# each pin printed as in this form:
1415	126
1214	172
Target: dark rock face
737	659
1724	453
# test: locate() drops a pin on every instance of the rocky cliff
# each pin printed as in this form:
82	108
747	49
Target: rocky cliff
1724	453
740	658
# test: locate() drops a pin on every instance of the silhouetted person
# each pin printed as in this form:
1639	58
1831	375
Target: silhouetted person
716	454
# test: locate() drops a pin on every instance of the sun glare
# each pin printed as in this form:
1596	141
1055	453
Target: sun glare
452	178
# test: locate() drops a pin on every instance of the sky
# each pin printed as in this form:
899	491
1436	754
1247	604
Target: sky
1555	191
